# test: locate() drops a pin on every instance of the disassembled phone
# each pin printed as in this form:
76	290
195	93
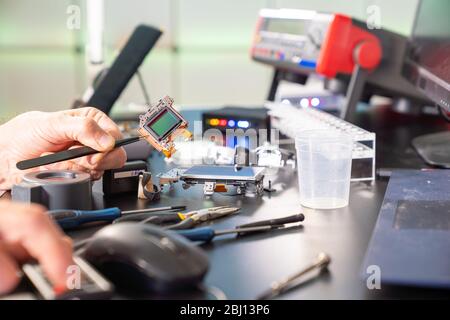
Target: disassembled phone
92	285
161	124
216	178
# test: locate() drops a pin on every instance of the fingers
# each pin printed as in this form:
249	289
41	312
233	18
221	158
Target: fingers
9	276
85	130
104	161
99	117
39	236
94	164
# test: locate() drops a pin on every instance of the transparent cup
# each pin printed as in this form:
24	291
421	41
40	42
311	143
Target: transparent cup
324	160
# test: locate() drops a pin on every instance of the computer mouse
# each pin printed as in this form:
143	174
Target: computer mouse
146	258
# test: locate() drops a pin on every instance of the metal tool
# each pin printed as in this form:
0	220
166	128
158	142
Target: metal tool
272	222
206	234
68	155
153	218
68	219
278	287
92	285
197	217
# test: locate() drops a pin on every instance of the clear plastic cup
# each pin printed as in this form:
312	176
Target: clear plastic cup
324	160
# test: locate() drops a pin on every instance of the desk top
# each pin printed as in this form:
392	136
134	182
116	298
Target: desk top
244	267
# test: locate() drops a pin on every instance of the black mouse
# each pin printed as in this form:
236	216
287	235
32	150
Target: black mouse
142	257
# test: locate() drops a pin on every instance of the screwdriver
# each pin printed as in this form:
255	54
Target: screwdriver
278	221
322	261
68	219
206	234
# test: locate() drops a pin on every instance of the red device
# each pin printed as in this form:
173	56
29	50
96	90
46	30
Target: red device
345	46
300	42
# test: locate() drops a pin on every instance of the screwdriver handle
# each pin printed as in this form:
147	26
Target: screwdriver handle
272	222
68	219
204	234
68	155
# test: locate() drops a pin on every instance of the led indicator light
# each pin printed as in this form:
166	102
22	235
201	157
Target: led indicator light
214	122
304	102
315	102
231	123
243	124
222	122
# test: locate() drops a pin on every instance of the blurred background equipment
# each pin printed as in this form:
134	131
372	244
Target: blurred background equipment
355	60
53	55
235	118
292	121
427	66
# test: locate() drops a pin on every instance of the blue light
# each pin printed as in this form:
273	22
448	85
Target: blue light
307	63
243	124
231	123
315	102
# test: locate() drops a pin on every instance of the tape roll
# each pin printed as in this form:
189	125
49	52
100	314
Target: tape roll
55	189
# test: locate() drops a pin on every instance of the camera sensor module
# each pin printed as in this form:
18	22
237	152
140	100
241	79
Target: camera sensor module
161	124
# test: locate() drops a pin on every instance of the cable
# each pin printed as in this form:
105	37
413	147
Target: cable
143	87
443	113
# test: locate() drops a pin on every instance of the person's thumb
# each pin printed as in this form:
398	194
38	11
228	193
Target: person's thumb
84	130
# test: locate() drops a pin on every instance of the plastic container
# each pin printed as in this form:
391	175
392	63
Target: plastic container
324	166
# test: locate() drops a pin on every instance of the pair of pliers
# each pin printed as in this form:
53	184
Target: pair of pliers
194	218
154	218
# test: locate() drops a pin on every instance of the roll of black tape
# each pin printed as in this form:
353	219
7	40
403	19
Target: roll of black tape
55	189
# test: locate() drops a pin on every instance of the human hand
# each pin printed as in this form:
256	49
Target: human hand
34	134
26	231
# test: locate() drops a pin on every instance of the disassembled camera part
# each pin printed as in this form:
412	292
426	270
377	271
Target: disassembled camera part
217	178
146	188
123	180
161	124
170	177
269	156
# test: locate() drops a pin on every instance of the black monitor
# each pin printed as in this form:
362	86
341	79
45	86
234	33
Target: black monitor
427	66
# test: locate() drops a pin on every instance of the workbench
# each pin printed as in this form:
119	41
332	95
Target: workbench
243	267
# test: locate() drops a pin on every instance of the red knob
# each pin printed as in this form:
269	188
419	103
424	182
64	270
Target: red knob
367	54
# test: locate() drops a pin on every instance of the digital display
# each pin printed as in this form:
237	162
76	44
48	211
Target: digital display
164	123
223	171
290	26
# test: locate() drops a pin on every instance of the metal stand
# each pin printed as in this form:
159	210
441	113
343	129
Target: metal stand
354	92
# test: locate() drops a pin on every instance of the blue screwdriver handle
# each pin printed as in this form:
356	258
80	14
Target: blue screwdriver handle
68	219
204	234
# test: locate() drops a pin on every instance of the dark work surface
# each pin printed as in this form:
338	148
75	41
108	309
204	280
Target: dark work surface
244	267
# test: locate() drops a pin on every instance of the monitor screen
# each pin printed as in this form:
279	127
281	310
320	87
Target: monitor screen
428	61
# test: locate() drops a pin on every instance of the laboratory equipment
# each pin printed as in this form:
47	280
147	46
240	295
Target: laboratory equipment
324	162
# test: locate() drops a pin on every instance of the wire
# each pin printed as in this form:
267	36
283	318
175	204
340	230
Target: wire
443	113
143	87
